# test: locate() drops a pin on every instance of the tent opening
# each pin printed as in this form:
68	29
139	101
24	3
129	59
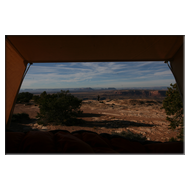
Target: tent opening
119	98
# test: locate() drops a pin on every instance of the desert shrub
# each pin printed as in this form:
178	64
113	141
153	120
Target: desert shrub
36	99
20	117
173	106
130	135
150	102
133	101
60	108
172	139
141	102
24	97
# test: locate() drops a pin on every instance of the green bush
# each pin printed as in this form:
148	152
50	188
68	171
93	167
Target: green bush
173	106
20	117
60	108
24	97
36	99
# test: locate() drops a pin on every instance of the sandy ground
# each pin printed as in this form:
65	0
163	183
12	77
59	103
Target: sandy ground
139	116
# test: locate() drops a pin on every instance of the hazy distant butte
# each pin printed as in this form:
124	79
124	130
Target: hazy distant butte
146	93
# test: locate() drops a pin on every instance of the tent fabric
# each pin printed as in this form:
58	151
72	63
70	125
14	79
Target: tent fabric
83	142
96	48
14	70
20	50
177	67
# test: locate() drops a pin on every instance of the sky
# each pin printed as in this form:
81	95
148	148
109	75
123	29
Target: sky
98	74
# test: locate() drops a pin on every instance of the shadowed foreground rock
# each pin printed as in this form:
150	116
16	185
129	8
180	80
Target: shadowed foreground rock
83	142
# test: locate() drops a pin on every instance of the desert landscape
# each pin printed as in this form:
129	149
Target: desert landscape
115	113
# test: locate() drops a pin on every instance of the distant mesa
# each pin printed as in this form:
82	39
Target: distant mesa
143	93
55	90
146	88
88	89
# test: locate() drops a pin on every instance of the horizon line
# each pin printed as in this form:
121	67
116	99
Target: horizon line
95	87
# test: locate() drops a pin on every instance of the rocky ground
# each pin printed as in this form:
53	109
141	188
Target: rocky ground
140	116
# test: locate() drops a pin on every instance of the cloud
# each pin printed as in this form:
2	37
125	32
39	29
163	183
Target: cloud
163	73
51	74
28	83
151	83
143	64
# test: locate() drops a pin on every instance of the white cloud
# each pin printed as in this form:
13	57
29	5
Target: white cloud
28	83
163	73
78	72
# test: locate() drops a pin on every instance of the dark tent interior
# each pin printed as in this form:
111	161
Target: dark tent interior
21	50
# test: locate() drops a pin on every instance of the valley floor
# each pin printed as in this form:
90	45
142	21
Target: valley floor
110	116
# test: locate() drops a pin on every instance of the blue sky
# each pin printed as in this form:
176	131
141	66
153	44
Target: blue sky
98	74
